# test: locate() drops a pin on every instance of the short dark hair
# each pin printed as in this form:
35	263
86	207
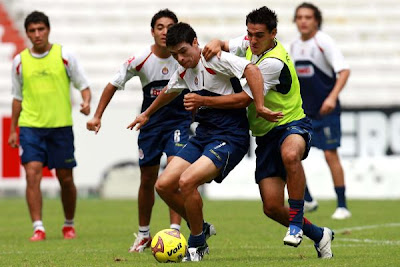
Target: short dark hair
179	33
36	17
163	13
317	12
263	15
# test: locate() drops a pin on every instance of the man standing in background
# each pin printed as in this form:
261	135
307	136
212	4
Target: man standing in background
322	72
41	107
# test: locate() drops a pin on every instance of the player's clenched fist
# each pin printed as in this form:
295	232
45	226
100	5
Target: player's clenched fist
94	125
140	121
192	101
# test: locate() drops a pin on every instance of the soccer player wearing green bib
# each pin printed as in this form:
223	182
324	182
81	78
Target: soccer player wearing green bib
41	107
281	143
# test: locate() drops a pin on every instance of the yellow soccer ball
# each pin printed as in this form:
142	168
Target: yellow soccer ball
168	245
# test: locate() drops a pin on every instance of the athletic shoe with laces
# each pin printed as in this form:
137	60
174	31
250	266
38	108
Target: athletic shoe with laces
310	206
196	254
38	235
141	242
68	232
209	230
324	246
294	236
341	213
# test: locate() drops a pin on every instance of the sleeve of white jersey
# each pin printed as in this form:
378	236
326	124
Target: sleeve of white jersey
238	45
332	53
229	64
176	83
271	70
126	72
75	70
16	78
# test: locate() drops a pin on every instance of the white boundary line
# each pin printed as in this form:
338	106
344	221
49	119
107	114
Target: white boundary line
360	228
371	241
380	242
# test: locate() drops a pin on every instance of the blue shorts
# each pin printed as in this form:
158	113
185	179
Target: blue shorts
326	132
152	143
268	152
54	147
225	152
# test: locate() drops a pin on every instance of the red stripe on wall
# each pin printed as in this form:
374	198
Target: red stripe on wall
11	161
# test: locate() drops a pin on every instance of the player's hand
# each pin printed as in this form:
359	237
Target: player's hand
213	48
13	140
269	115
192	101
85	108
328	106
94	125
139	122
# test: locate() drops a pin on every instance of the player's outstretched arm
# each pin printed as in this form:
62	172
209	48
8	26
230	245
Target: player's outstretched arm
161	100
95	123
193	101
86	97
214	48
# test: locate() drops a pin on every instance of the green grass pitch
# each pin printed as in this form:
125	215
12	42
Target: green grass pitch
245	236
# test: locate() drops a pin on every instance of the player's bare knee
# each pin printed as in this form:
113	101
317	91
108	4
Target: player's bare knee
185	184
270	210
291	158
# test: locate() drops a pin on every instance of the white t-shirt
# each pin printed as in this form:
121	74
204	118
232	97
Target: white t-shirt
270	67
321	51
147	66
213	75
74	71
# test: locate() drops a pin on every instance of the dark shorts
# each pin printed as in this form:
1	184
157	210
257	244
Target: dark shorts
152	143
268	152
52	146
224	152
326	132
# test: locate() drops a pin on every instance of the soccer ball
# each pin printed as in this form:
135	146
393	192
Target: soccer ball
168	245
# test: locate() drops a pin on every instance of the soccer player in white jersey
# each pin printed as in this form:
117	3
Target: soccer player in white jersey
322	73
168	130
222	136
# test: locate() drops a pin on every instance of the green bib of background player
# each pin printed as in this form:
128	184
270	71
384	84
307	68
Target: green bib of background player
285	98
45	91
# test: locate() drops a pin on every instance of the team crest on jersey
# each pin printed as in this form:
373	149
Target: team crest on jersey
196	81
165	71
141	153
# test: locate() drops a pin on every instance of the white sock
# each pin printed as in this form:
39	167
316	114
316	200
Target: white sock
69	223
38	225
144	231
175	226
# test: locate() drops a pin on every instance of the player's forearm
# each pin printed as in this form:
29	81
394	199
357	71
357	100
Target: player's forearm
105	98
16	108
239	100
340	83
256	83
161	100
86	95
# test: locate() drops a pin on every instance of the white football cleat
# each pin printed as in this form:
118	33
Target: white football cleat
341	214
196	254
294	236
324	246
141	242
310	206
